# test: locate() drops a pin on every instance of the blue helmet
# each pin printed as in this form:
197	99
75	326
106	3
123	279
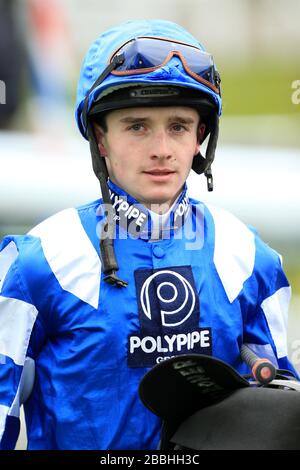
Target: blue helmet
172	73
145	63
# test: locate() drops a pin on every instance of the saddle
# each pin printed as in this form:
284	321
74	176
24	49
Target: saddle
205	404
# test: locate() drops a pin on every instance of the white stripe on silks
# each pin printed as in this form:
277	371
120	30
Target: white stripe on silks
234	253
71	255
24	388
263	351
7	257
23	393
3	414
16	322
275	309
27	379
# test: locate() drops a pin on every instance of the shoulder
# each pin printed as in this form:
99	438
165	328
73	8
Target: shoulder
59	249
13	251
238	252
66	228
228	232
69	243
227	223
66	220
234	235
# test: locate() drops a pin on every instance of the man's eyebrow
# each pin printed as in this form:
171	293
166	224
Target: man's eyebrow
183	119
176	118
129	119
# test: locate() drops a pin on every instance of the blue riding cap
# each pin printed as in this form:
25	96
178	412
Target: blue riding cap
97	59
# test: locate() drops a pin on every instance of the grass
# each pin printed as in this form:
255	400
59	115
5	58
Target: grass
293	275
259	88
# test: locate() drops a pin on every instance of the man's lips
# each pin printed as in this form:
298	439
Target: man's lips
159	175
159	172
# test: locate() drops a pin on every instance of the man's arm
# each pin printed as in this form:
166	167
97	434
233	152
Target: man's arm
17	318
265	327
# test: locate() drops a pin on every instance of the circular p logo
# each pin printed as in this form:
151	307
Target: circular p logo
172	292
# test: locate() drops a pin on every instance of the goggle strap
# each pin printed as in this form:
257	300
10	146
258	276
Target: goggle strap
117	60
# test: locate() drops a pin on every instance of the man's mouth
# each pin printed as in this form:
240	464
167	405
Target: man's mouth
159	172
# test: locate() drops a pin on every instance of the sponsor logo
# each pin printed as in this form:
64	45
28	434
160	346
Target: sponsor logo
149	92
134	219
182	209
199	377
169	317
130	216
167	292
185	221
149	350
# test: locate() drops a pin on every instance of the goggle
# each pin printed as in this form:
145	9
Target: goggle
146	54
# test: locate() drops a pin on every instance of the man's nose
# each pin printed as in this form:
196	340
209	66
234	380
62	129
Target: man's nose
161	146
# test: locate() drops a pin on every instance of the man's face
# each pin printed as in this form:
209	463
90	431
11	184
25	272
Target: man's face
149	151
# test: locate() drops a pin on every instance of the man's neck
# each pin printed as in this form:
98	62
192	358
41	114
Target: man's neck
144	222
161	208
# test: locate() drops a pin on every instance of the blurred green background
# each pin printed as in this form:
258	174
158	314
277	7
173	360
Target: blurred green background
260	87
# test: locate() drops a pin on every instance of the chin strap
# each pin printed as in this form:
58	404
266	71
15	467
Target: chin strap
203	165
107	253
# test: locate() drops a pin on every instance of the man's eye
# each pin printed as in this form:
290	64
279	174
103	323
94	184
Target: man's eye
178	127
137	127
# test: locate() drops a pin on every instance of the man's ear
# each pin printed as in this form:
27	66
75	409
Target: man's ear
201	132
200	136
100	135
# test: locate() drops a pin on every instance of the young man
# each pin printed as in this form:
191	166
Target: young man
79	330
